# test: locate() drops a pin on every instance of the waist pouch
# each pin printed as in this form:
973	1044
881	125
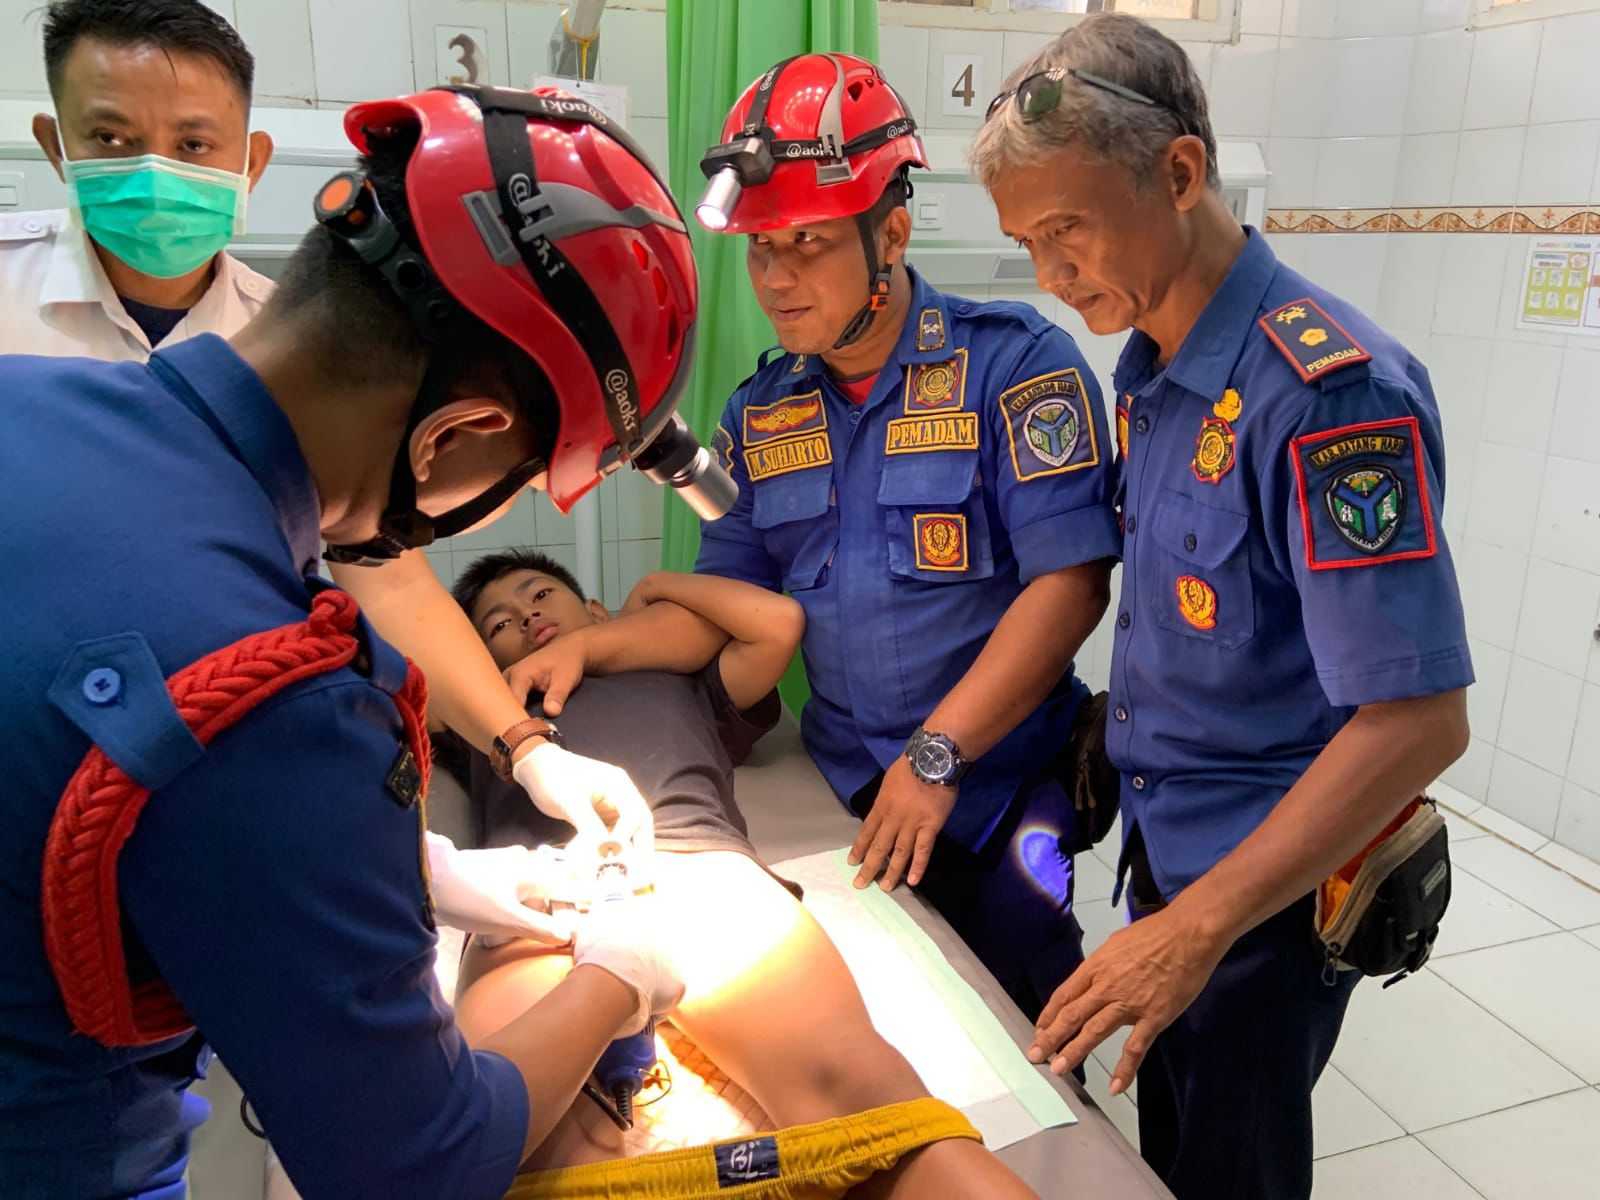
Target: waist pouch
1089	778
1380	914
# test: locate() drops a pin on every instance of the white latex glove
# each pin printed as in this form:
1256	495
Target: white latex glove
495	892
619	937
578	790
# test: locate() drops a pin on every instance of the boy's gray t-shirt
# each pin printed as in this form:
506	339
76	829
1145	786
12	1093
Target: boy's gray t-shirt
677	736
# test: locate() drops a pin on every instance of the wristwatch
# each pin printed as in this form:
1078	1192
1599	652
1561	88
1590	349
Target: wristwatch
936	759
501	749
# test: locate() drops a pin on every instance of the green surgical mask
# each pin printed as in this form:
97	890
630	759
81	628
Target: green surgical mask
162	217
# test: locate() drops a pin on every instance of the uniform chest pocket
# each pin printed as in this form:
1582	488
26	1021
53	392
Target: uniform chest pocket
934	518
799	522
1201	585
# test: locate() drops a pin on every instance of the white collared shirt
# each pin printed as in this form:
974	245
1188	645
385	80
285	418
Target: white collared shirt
55	297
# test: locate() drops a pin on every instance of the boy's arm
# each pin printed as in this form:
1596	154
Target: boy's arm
762	626
662	637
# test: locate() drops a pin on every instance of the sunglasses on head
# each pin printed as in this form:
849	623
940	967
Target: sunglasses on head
1038	95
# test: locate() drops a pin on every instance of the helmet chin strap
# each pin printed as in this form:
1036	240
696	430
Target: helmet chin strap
882	281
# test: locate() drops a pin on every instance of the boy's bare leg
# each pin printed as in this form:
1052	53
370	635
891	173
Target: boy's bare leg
495	988
771	1002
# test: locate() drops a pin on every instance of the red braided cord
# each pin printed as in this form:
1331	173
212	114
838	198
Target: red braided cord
101	804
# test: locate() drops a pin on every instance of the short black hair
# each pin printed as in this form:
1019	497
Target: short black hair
175	26
896	194
351	323
490	567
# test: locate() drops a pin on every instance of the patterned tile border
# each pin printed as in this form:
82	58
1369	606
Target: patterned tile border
1559	219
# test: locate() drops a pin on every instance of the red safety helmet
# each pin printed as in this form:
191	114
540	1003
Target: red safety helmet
541	218
837	133
816	138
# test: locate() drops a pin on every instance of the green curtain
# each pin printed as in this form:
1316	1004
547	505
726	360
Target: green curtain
714	49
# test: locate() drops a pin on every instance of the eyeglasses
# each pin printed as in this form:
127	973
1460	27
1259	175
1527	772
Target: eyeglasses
1038	95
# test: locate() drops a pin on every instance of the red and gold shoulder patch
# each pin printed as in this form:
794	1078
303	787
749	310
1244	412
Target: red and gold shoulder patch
1197	602
1312	341
941	541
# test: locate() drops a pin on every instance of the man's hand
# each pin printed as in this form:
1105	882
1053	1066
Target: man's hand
586	794
500	893
898	835
620	937
556	670
1144	976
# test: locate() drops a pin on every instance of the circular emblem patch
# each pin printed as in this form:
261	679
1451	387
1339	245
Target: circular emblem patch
1213	450
1197	601
940	539
1367	503
935	384
1053	430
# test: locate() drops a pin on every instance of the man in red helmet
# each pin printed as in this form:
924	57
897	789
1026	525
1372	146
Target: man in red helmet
931	479
214	827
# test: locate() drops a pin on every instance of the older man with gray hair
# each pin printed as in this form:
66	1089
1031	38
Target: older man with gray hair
1290	656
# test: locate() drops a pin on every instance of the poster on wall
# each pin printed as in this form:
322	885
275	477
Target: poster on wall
1560	286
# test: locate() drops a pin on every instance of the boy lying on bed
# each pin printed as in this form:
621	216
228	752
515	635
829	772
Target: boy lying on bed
769	999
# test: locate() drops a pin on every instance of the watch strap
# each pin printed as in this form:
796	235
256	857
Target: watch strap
505	745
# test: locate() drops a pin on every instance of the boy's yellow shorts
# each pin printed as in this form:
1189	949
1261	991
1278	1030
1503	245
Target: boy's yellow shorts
808	1162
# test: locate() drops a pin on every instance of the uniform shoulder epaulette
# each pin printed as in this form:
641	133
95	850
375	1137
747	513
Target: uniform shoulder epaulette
26	226
1314	343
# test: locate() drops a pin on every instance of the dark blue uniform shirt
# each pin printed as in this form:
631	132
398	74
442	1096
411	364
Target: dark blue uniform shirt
154	514
1283	556
905	526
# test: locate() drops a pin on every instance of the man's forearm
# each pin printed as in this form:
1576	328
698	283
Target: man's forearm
1386	755
556	1043
408	605
1024	658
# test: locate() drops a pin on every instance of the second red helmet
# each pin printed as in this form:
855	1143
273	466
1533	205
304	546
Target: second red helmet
815	138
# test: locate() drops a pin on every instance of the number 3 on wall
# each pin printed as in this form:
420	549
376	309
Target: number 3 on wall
963	86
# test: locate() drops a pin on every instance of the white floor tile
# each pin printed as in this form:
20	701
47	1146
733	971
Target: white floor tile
1399	1168
1544	989
1579	866
1515	832
1093	880
1345	1119
1551	894
1591	935
1461	828
1453	800
1548	1150
1480	916
1100	919
1120	1109
1428	1056
1109	1053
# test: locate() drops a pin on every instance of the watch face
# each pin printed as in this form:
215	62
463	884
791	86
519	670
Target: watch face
934	760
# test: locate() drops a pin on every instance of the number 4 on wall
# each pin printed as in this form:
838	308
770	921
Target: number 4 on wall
963	86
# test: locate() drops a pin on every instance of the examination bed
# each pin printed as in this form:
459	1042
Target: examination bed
792	816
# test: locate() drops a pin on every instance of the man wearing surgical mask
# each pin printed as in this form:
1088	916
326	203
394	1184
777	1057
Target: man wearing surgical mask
151	137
